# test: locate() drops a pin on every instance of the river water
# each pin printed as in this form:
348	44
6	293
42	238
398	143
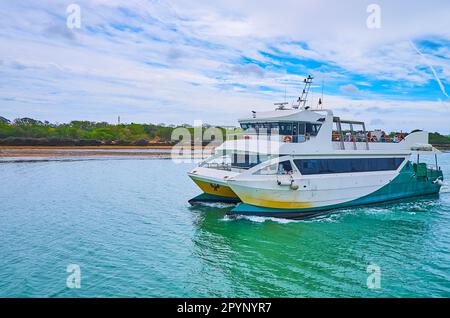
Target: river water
127	226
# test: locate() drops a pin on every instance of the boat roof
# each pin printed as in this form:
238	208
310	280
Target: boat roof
286	115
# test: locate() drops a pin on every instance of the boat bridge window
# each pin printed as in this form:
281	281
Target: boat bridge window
329	166
279	168
260	126
296	129
286	129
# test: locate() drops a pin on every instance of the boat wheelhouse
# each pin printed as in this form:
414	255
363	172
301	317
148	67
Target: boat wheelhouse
296	162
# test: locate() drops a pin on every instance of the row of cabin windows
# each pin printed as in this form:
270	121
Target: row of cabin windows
285	128
330	166
327	166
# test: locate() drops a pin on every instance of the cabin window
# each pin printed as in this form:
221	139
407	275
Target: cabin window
312	129
265	128
301	128
285	167
279	168
225	160
285	128
295	129
328	166
247	160
244	160
275	128
247	126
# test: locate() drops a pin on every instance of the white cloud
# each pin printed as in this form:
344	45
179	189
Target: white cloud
176	61
350	89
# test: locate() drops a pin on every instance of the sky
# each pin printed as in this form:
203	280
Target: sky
174	62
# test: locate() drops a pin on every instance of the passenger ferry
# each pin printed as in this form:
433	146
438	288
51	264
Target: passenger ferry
297	162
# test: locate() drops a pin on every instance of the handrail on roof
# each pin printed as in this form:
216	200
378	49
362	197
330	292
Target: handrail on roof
344	121
339	123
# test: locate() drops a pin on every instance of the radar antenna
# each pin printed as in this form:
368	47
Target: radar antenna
281	106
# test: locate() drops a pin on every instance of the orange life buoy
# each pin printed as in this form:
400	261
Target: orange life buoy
287	138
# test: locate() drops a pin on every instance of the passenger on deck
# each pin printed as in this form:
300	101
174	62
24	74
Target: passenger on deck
360	137
336	137
348	137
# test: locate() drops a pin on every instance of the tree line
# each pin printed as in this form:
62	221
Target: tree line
32	132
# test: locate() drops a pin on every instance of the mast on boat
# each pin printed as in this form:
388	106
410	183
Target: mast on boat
304	97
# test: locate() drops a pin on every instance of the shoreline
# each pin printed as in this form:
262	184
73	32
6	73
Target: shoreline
93	147
99	151
89	151
443	148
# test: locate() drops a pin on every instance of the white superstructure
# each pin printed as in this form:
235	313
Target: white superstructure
298	161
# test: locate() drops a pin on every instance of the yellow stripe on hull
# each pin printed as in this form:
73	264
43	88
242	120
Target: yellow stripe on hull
266	202
276	204
215	189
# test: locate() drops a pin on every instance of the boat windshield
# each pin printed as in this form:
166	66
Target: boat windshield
234	160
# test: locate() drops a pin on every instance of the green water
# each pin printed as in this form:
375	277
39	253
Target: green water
128	226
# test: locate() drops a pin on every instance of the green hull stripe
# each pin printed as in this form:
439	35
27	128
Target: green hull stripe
405	185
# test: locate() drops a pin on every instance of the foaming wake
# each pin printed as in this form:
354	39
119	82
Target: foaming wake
331	217
324	218
258	219
445	188
216	205
378	210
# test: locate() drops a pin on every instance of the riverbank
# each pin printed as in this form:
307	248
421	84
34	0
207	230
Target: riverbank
74	151
70	151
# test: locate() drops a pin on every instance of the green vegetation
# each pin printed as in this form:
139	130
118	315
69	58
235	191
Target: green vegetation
31	132
438	139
